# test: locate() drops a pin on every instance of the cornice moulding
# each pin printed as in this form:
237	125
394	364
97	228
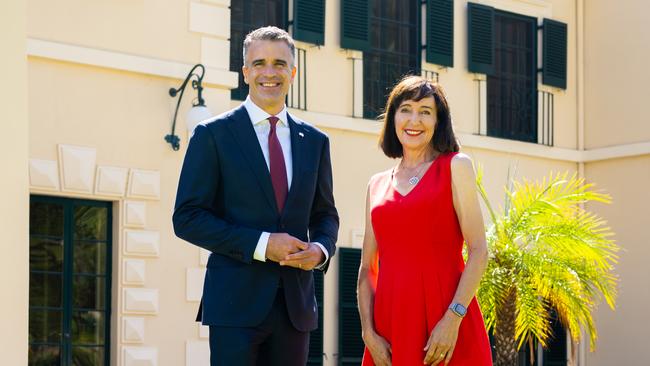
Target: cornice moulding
126	62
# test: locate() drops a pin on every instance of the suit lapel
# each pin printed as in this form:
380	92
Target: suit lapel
298	136
242	129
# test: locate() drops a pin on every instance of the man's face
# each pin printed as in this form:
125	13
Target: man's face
269	71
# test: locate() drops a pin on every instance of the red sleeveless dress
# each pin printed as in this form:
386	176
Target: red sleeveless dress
420	263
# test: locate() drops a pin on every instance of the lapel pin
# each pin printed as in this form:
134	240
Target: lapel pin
301	134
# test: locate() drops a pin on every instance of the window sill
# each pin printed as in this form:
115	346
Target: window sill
474	141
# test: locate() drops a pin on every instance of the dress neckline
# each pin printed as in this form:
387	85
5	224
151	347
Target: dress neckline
426	172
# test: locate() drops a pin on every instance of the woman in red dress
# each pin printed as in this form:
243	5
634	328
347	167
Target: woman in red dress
415	292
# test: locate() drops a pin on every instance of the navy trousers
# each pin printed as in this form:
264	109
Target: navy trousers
275	342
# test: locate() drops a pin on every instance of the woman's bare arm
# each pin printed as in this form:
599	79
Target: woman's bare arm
368	270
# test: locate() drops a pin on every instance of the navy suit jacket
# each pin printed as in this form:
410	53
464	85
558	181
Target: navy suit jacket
225	200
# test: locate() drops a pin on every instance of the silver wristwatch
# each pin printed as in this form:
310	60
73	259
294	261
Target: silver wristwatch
458	309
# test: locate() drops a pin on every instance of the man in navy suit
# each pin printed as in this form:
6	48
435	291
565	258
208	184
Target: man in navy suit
256	190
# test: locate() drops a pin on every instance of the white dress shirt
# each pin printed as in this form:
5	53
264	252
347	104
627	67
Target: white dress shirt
261	124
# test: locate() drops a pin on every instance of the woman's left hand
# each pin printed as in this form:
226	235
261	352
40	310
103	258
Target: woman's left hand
442	341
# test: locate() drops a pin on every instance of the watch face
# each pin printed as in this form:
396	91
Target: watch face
460	309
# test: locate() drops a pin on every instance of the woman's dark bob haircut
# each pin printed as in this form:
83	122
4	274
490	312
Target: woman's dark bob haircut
416	88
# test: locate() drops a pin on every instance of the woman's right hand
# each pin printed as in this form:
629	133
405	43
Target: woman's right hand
379	349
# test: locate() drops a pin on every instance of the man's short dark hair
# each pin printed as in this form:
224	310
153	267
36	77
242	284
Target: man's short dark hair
416	88
269	33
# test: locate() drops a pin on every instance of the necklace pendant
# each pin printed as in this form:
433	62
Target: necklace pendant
414	180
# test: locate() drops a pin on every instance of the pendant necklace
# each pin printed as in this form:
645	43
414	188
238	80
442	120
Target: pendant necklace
415	179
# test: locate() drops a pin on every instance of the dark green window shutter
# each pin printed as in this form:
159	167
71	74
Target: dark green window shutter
315	357
350	343
440	32
554	45
355	24
309	21
480	41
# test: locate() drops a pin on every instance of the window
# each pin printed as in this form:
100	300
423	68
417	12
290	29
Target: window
246	15
69	282
512	87
556	353
394	50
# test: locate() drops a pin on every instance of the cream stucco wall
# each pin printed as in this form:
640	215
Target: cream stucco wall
330	69
462	88
124	116
617	45
330	93
155	28
95	95
623	333
14	193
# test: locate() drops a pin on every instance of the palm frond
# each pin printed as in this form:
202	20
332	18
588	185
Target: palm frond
512	173
532	319
565	287
482	193
556	196
492	292
552	253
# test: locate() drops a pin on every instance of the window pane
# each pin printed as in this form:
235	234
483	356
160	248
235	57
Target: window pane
259	18
236	9
389	10
511	90
87	356
90	222
402	45
44	355
45	254
45	289
394	51
389	36
45	219
89	257
45	326
274	13
375	8
88	327
69	260
88	292
244	17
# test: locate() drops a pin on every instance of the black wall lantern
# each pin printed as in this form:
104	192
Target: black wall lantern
197	113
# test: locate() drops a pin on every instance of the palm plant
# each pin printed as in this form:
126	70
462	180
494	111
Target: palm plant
546	253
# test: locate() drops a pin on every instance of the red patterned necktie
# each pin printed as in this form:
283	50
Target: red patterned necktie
277	166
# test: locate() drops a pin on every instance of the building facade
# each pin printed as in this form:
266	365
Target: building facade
92	266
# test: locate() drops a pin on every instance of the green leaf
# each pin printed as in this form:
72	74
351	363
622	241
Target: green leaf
552	253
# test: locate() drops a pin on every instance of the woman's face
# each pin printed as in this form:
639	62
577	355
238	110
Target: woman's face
415	123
